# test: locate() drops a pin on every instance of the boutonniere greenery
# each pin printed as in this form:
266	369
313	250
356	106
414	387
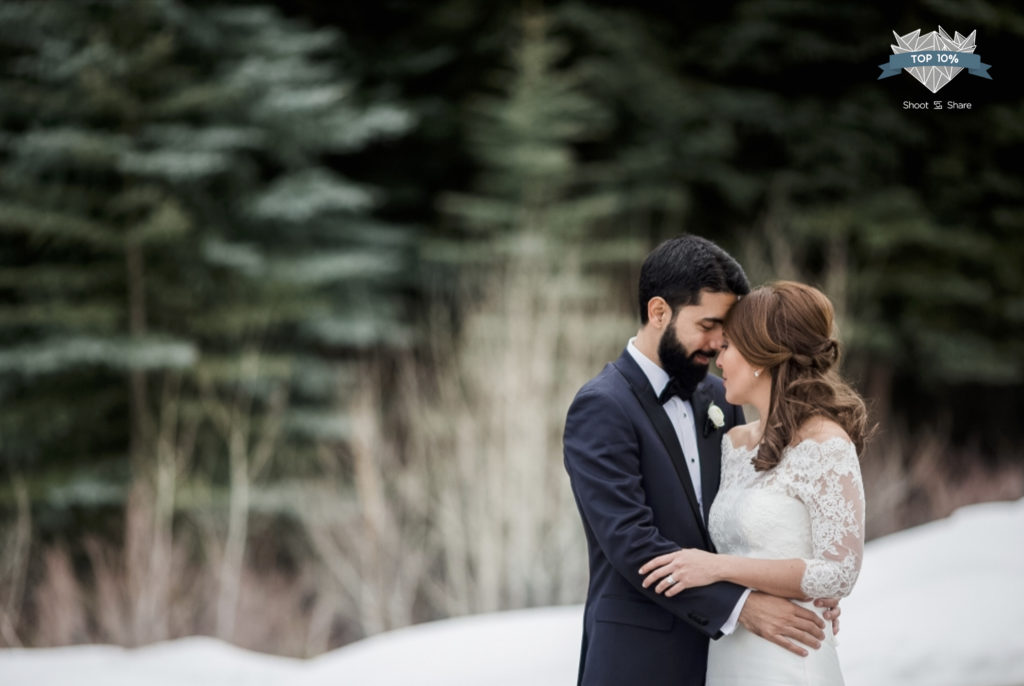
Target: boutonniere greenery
716	419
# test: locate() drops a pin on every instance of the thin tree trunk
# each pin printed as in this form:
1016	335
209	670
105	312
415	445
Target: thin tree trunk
17	558
157	471
238	525
141	422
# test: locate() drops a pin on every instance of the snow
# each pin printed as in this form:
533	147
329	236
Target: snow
939	604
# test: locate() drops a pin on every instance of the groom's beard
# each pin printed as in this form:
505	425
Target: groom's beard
678	362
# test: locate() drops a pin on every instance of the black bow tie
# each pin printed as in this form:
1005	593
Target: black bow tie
674	388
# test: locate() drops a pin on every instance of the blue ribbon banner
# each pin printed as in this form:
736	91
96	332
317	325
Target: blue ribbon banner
934	58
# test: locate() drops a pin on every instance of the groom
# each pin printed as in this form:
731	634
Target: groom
642	447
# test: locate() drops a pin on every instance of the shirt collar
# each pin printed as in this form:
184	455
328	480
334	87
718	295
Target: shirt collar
657	376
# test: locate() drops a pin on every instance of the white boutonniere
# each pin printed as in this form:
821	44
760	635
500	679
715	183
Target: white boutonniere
715	415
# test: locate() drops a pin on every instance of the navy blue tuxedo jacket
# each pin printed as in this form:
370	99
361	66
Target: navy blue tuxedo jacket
636	500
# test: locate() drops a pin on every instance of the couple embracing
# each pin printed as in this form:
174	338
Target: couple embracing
718	548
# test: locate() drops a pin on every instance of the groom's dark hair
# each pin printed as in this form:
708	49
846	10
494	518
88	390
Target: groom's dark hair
680	268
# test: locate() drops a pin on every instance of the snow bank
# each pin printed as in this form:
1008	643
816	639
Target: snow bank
536	647
939	605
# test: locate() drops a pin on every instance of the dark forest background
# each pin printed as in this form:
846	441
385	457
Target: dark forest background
294	295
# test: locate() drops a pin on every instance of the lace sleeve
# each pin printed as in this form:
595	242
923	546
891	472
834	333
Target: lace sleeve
829	483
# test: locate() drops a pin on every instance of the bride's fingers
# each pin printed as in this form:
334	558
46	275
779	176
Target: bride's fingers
656	576
659	561
674	589
831	607
669	583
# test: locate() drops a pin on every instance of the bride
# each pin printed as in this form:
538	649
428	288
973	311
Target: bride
789	515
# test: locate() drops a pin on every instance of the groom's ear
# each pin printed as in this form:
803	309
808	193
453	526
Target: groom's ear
658	312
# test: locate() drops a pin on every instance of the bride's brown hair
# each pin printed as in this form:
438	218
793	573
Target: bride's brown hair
787	328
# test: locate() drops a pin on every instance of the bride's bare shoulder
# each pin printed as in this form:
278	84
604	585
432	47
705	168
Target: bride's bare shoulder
745	435
820	429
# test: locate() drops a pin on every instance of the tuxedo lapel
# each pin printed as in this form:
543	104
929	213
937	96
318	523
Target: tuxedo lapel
709	445
641	388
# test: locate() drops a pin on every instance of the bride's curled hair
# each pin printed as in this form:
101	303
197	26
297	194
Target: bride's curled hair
787	328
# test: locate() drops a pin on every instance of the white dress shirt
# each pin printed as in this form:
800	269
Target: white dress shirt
680	413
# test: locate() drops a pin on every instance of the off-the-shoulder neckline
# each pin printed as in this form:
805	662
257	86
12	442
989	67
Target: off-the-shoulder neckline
753	448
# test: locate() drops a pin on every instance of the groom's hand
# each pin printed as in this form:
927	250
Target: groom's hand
783	622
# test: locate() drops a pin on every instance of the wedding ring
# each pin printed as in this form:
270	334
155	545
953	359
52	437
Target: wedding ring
671	581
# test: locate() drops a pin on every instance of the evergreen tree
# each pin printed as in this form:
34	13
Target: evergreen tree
538	315
761	125
178	231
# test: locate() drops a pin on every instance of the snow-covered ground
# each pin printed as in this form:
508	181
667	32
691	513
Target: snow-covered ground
938	605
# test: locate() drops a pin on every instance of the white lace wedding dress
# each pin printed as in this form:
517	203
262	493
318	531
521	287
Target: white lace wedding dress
810	506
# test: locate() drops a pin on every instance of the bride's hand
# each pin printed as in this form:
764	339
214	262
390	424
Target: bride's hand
675	572
832	611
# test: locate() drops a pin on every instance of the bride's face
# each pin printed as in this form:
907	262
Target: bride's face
742	384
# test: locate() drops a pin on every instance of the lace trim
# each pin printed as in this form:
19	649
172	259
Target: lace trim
825	476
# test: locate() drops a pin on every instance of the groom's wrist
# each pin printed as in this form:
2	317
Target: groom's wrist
734	618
